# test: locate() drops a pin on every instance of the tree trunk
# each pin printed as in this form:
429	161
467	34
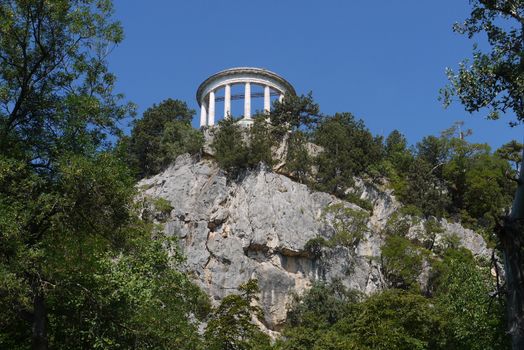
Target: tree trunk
39	319
511	237
512	245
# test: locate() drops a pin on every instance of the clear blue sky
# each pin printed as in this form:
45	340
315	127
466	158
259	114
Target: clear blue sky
384	61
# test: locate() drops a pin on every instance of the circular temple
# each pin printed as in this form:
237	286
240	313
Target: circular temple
272	83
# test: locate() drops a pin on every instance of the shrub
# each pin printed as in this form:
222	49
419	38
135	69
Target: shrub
314	246
349	225
402	262
363	203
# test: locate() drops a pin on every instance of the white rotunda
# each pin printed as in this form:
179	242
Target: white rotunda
273	84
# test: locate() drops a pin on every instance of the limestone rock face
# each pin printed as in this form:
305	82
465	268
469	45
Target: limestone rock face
258	227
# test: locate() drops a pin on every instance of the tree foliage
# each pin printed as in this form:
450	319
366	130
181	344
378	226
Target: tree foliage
348	150
493	79
493	82
78	269
229	144
349	225
293	113
460	314
298	159
237	148
473	318
446	176
389	320
402	262
260	142
512	152
163	133
231	326
424	190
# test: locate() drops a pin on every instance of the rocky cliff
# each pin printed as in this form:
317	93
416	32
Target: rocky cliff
259	227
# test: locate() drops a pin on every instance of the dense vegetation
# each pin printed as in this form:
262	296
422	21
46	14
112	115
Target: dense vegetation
82	265
491	82
441	176
459	315
456	308
163	133
78	269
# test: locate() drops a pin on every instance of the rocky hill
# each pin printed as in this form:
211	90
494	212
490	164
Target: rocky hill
262	225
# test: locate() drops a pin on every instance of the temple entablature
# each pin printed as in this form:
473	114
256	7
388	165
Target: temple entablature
273	84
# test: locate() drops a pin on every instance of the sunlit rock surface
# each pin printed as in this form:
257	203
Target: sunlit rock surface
258	227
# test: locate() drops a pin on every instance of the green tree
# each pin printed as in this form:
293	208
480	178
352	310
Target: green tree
472	316
349	225
313	314
260	142
434	151
322	306
395	163
231	149
231	326
77	267
402	262
512	152
395	143
493	81
137	299
488	191
335	320
424	190
348	150
392	319
56	105
293	113
238	148
397	152
461	155
460	314
298	159
453	177
163	133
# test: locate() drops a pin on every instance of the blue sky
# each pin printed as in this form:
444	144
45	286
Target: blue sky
384	61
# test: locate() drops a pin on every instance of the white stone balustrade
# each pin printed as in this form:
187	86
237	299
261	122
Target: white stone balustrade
248	76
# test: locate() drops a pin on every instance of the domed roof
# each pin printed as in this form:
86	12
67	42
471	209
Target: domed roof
244	71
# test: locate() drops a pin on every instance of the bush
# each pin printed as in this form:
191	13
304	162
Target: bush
163	205
363	203
398	225
231	325
463	290
331	317
349	225
314	246
402	262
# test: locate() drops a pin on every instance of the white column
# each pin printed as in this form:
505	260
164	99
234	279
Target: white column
203	113
281	98
227	101
267	99
211	117
247	101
